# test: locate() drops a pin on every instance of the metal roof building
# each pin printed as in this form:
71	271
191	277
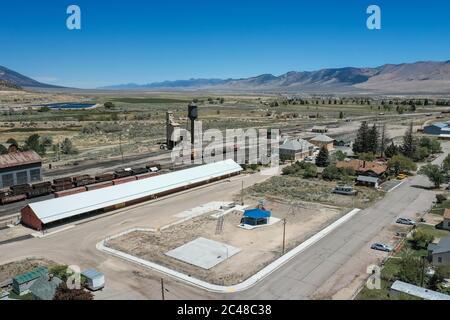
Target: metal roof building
39	214
407	288
19	168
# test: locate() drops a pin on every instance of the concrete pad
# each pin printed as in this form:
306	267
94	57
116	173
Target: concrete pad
203	253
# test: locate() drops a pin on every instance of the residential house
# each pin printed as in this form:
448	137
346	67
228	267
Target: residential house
323	141
439	253
364	168
296	149
22	283
400	287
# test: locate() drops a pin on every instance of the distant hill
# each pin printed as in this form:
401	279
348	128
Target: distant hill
419	77
17	79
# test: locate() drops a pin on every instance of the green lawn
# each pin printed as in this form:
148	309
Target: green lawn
435	232
27	296
439	208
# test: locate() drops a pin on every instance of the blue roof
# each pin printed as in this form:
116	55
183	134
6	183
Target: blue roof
257	213
440	124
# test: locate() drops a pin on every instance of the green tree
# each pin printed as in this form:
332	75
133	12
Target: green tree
13	142
64	293
33	142
373	140
400	163
409	146
339	155
446	164
109	105
420	239
3	149
410	268
322	159
433	173
362	135
67	147
309	171
331	173
391	150
367	156
433	145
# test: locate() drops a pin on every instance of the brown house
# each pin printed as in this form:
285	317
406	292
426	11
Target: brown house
364	168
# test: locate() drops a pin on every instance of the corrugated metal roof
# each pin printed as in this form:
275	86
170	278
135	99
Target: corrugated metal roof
60	208
18	159
36	273
419	292
442	247
367	179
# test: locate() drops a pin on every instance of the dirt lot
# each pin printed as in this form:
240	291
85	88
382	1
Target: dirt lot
313	190
12	269
258	246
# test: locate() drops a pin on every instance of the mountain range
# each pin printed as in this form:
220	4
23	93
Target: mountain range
12	79
418	77
425	77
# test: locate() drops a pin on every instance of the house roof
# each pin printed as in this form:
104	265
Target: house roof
441	247
296	145
257	213
18	159
44	288
26	277
419	292
60	208
322	138
447	214
362	166
367	179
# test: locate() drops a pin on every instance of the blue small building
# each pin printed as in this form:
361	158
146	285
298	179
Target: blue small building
256	217
437	128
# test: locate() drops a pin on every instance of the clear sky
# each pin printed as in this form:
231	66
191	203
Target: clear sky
145	41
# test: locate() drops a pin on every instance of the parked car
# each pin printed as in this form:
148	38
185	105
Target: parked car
382	247
407	221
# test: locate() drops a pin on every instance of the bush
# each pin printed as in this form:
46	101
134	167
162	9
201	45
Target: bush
440	198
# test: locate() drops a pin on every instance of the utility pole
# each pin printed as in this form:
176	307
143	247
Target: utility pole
242	193
284	235
423	271
162	289
120	144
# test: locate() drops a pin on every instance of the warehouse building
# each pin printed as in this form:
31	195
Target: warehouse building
323	141
19	168
40	215
438	128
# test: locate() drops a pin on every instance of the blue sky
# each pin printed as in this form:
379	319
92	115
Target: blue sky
145	41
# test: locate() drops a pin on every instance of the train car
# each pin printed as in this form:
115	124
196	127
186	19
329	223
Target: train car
12	198
108	176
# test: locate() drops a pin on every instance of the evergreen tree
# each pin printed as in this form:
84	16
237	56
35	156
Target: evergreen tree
391	150
360	145
384	140
409	146
323	158
372	140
